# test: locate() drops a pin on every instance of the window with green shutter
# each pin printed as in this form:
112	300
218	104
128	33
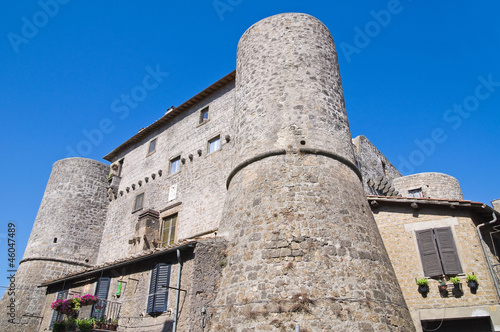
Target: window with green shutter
158	288
56	315
438	252
101	291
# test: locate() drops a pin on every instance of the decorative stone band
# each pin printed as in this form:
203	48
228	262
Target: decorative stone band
317	152
66	261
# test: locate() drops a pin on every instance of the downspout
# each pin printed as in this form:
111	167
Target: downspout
176	310
486	253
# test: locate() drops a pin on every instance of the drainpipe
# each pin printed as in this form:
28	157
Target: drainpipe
486	253
176	310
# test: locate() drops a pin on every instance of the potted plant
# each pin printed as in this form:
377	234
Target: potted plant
423	285
442	285
471	281
85	325
455	281
58	326
70	323
114	325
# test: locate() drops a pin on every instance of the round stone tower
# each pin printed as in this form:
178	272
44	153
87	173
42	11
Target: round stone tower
304	249
65	236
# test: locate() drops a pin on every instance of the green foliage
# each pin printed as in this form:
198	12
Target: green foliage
455	280
85	325
422	282
471	277
58	326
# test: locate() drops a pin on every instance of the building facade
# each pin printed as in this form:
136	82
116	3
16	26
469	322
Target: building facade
250	208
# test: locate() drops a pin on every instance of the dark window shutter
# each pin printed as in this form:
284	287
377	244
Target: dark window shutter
101	292
429	253
56	315
158	290
447	251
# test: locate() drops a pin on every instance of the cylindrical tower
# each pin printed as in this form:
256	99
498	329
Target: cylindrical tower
304	248
428	185
65	236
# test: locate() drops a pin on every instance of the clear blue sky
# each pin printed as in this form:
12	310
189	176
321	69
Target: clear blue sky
421	80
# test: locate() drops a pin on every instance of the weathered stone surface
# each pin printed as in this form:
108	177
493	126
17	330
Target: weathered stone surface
433	185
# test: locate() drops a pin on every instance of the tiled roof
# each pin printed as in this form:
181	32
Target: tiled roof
480	208
131	259
170	115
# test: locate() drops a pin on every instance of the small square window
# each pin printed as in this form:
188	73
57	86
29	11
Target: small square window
175	164
139	201
415	193
214	144
204	115
152	146
168	230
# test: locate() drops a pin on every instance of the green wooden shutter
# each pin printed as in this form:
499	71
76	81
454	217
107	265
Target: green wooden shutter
447	251
101	291
56	315
429	254
158	292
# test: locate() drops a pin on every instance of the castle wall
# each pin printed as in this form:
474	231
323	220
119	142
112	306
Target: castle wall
372	163
433	185
496	204
65	236
304	247
200	183
397	227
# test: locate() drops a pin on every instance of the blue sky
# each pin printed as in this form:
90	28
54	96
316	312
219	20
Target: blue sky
421	80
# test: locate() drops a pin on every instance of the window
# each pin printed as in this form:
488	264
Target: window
56	315
214	144
204	115
168	230
152	146
415	193
438	252
158	288
139	201
101	291
174	165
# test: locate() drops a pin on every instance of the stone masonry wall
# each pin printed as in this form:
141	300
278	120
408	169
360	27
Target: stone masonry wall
65	236
200	182
372	163
303	248
397	227
434	185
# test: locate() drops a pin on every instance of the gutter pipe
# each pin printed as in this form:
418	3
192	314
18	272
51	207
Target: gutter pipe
486	253
177	296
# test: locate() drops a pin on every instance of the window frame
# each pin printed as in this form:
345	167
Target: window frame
102	292
412	193
135	208
171	234
152	143
214	139
157	299
204	111
56	315
438	252
177	161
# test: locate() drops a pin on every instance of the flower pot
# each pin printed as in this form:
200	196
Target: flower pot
423	289
473	284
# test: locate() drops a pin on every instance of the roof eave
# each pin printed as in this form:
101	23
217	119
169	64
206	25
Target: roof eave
170	115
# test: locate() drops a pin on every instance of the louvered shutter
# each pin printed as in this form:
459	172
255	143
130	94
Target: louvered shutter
56	315
101	292
158	290
429	253
448	251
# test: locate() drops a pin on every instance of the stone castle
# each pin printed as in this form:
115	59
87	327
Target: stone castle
250	208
